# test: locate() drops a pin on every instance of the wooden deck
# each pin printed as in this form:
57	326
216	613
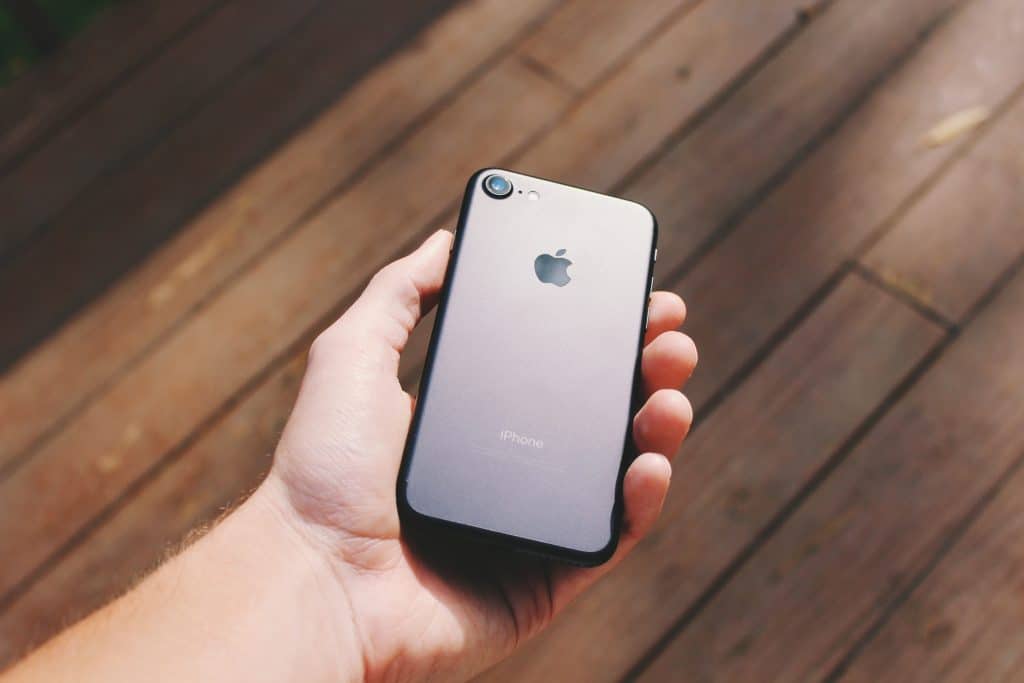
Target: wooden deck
192	189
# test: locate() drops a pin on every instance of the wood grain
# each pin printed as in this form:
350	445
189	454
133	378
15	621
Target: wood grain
94	348
738	469
107	229
123	39
573	47
965	622
796	608
954	242
680	74
780	253
808	87
149	101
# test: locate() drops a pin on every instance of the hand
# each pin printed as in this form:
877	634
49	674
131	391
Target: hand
336	466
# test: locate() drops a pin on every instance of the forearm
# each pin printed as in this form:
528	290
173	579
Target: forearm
249	601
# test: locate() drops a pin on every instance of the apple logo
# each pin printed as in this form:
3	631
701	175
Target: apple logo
553	270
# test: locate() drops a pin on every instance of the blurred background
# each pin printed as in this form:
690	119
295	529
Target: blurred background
191	189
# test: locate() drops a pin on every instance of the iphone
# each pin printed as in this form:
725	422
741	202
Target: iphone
522	429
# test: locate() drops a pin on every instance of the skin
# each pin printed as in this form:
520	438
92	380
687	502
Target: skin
310	579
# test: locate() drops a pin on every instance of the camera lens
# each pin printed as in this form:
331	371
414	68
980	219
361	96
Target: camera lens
497	186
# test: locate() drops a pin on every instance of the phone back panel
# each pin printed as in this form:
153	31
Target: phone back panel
523	420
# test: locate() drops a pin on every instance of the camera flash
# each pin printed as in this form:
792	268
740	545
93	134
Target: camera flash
532	195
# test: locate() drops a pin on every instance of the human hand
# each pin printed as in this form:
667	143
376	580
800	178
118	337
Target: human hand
415	616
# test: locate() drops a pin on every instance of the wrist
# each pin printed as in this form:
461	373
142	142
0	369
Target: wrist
298	564
360	570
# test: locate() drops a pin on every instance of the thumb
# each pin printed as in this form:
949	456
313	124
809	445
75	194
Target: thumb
382	318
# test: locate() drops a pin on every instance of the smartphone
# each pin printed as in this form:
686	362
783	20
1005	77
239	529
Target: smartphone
522	429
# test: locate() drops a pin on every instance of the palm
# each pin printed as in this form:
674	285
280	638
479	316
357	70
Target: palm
471	615
349	489
418	608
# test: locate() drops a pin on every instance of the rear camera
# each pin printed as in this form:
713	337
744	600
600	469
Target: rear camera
497	186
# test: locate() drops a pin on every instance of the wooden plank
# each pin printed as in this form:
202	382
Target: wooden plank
964	623
566	46
661	91
106	230
806	597
966	231
738	469
97	346
125	37
837	199
744	291
216	355
140	108
848	49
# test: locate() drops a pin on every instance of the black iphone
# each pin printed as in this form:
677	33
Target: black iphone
522	431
